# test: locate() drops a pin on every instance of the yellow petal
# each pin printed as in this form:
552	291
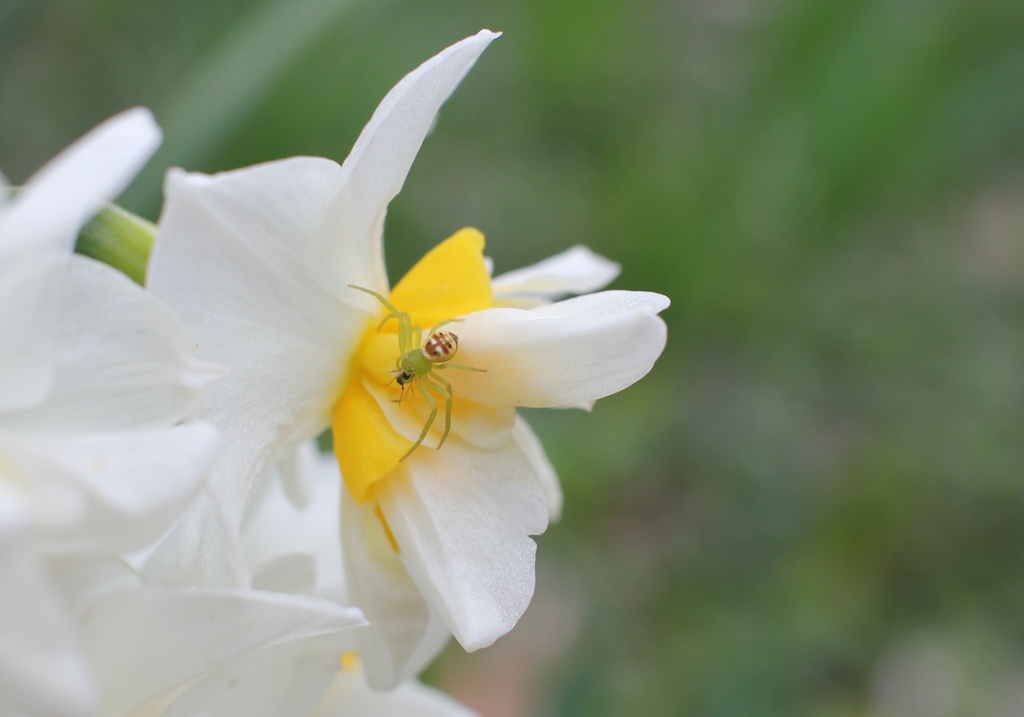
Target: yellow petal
450	281
366	445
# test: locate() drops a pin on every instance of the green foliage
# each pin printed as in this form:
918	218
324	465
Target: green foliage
814	505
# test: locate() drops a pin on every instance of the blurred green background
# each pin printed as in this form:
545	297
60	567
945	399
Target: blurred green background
814	505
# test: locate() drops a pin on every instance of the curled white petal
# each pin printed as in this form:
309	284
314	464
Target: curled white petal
575	271
462	518
64	194
562	354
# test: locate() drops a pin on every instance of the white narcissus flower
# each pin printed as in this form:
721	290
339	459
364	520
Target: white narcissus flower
260	264
96	383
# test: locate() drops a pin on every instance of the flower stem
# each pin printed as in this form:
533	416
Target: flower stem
120	239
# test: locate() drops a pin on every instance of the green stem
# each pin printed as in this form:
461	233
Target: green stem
120	239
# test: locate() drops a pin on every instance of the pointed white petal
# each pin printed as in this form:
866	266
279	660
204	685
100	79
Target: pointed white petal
380	160
146	642
563	354
404	634
462	518
39	649
349	697
115	491
29	298
121	358
527	440
73	186
230	259
575	271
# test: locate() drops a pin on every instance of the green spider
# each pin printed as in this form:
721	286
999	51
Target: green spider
418	363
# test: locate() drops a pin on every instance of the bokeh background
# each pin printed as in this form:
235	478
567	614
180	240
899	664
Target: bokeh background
814	505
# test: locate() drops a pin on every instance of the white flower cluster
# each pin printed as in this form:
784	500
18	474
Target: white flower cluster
171	541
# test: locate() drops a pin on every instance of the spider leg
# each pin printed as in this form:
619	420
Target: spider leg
403	319
445	389
405	331
401	392
430	420
388	317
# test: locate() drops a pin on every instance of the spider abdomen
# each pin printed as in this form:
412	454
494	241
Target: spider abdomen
441	346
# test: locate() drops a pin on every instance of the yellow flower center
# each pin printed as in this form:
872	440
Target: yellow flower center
449	282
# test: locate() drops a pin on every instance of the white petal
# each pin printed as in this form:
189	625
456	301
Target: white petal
83	577
462	518
274	681
146	642
527	440
201	550
300	474
72	187
375	169
29	298
575	271
349	697
121	359
230	259
42	671
294	574
275	529
109	490
404	634
563	354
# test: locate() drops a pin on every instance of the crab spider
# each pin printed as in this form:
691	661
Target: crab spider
419	361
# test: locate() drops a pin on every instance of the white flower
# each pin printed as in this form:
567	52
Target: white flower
95	382
259	263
